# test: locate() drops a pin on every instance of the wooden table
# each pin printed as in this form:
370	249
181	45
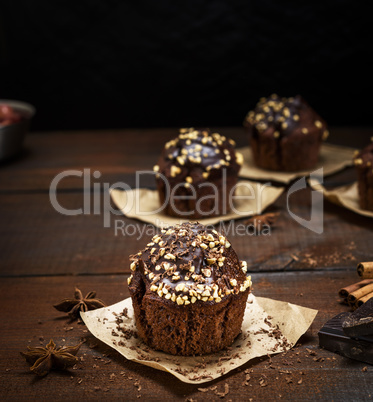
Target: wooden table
45	254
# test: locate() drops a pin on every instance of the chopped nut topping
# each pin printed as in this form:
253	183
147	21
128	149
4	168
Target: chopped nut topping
244	266
181	160
233	282
175	170
239	158
206	272
181	280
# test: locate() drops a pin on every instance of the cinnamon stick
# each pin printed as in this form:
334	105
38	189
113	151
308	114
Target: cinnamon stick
363	299
344	292
358	294
365	269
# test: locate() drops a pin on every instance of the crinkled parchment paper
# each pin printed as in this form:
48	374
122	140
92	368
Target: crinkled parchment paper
346	196
332	158
269	327
143	204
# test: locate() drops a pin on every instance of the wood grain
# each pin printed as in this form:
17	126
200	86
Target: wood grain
37	240
44	254
113	153
106	374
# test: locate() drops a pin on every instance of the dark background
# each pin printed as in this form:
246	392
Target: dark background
107	64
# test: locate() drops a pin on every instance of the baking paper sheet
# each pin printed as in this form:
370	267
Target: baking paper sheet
262	316
143	204
345	196
332	158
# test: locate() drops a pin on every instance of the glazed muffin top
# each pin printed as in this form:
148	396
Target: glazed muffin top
190	263
364	158
195	156
280	117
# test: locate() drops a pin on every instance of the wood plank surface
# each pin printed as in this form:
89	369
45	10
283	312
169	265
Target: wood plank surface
44	254
103	373
114	153
37	240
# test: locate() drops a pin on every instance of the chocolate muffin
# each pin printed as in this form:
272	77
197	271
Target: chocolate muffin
364	166
195	174
285	134
188	290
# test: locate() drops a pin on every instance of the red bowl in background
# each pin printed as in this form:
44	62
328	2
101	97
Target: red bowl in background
15	117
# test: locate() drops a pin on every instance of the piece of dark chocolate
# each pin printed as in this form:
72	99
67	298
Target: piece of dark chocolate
332	337
359	322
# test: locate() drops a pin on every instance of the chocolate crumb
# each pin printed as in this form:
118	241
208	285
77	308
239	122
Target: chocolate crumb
262	382
224	393
289	380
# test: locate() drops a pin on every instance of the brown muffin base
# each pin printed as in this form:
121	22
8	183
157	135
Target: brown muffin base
365	188
288	154
210	203
200	328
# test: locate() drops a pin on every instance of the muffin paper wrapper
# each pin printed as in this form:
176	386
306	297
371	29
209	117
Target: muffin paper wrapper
332	158
262	316
143	204
345	196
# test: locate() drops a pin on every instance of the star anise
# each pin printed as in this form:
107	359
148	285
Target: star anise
259	221
74	306
43	359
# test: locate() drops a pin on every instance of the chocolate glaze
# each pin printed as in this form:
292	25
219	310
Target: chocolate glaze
195	172
179	261
285	134
285	116
195	152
